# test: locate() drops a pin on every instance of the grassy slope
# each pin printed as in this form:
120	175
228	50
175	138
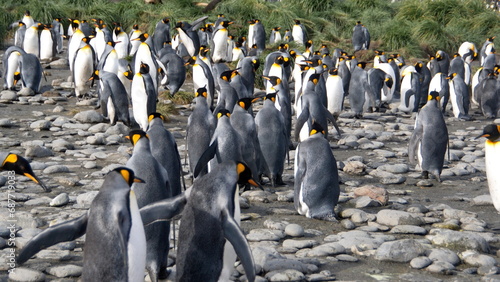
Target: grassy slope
412	27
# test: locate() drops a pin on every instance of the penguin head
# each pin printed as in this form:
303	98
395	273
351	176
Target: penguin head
128	175
94	77
165	20
204	50
155	115
277	28
418	66
255	64
27	13
434	95
21	24
225	24
246	102
333	71
227	75
118	30
251	22
358	22
143	37
17	77
223	113
201	92
388	81
316	128
491	132
128	74
245	175
361	65
296	21
144	68
191	61
270	96
279	60
135	135
314	78
451	76
21	166
135	26
274	80
283	47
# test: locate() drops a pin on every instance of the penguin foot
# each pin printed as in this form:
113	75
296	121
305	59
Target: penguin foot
164	273
279	181
327	217
425	174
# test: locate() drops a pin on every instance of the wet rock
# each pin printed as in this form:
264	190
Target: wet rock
8	96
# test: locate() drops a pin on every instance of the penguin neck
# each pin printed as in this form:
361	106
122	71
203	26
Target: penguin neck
142	144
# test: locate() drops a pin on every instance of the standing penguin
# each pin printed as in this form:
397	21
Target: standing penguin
113	97
58	29
360	37
316	177
334	92
188	34
218	44
410	90
48	44
492	161
443	60
74	43
145	55
83	67
122	42
488	94
228	96
200	128
175	72
19	165
19	34
144	96
299	33
28	19
439	83
161	34
203	78
155	188
208	220
258	35
429	139
275	35
358	86
272	138
31	43
164	149
487	48
459	96
425	80
134	43
115	243
244	123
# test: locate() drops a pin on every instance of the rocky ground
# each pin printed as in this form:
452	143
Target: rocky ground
409	230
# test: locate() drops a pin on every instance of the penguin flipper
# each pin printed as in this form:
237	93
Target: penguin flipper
415	140
304	116
196	24
164	210
209	154
235	236
63	232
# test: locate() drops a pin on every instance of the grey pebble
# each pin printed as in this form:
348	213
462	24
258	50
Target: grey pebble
395	217
408	229
265	235
399	251
56	169
286	275
420	262
294	230
38	152
63	271
60	200
299	244
443	254
85	199
458	241
26	274
89	116
441	267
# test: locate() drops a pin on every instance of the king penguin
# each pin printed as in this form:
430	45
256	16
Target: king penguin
316	191
164	149
134	43
439	83
208	220
115	243
200	128
31	43
144	96
358	86
122	42
83	67
218	44
492	161
48	44
410	90
74	43
19	34
161	34
275	35
429	140
189	35
155	188
299	33
273	139
113	97
487	94
459	96
31	72
360	37
11	69
28	19
334	92
19	165
203	78
175	72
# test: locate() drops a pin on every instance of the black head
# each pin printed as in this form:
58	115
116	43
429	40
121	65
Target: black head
491	132
135	135
223	112
128	175
21	166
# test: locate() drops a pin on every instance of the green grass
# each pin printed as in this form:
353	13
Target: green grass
415	27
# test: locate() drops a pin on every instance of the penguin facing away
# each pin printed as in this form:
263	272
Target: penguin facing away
113	97
31	72
429	140
492	161
19	165
316	177
208	221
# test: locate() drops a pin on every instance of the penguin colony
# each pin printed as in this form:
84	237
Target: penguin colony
231	147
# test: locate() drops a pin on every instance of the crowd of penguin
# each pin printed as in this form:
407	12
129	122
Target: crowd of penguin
231	146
